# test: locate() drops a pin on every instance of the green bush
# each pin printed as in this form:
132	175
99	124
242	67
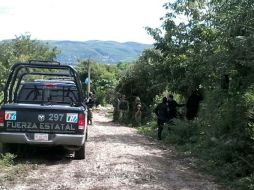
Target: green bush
226	146
149	129
221	138
181	132
7	159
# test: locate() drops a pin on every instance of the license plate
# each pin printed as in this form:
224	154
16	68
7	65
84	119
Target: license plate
41	137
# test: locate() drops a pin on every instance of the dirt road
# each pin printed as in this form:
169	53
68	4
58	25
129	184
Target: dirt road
117	158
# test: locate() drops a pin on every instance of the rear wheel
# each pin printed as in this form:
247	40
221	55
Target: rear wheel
80	154
86	135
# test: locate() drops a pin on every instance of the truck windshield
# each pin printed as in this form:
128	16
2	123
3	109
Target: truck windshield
48	93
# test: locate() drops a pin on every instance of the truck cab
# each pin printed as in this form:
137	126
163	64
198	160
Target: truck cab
44	105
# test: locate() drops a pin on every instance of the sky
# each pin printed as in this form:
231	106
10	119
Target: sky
81	20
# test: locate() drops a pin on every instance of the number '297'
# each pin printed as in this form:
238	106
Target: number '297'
56	117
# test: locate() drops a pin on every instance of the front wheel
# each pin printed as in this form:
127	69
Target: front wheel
80	153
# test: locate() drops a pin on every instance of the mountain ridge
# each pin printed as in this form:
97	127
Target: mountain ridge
110	52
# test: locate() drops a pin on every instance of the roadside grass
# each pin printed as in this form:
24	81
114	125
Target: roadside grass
209	158
11	171
7	160
149	129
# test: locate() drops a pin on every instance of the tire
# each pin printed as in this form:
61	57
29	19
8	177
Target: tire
80	154
86	138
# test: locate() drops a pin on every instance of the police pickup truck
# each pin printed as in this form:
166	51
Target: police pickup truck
44	105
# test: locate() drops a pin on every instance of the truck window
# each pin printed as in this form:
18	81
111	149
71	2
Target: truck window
48	93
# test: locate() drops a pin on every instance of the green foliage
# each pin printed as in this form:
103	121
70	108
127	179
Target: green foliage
1	97
140	78
207	45
181	132
11	171
143	79
104	78
149	129
7	160
22	49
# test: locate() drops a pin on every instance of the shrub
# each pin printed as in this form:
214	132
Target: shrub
7	159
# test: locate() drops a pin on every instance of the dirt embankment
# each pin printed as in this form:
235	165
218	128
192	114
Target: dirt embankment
116	158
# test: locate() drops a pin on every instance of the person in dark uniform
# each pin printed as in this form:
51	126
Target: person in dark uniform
172	105
90	105
137	111
162	114
116	103
192	105
123	109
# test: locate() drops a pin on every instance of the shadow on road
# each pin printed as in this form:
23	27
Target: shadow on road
40	155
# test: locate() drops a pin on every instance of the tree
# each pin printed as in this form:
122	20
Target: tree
103	79
207	44
143	78
22	49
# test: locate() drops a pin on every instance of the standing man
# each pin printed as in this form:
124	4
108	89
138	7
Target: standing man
123	109
162	114
90	104
137	112
138	115
172	104
192	105
116	103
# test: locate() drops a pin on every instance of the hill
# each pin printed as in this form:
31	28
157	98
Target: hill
101	51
